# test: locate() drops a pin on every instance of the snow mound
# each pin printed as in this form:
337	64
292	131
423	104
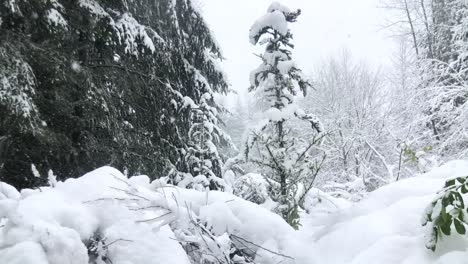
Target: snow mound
386	226
105	217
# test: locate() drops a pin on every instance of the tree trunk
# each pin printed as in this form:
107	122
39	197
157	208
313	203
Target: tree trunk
282	173
413	32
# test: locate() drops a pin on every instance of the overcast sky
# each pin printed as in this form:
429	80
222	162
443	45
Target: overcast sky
325	27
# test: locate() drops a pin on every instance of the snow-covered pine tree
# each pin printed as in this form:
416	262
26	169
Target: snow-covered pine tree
203	158
285	152
201	161
103	83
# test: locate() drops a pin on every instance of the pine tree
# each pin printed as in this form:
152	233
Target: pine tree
285	152
204	160
103	83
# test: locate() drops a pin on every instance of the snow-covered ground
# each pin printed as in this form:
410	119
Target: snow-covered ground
385	227
104	215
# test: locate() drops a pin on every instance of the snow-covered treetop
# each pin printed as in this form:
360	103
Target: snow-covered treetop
276	6
276	19
277	78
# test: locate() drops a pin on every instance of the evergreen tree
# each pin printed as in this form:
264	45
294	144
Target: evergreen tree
92	82
286	153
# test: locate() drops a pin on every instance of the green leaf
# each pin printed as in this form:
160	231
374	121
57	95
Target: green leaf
450	198
427	148
445	227
461	180
464	189
459	226
460	199
446	201
450	183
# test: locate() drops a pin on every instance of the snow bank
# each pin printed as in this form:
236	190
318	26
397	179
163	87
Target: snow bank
386	226
104	217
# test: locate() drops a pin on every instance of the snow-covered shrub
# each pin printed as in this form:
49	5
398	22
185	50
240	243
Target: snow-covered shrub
252	187
350	188
317	201
445	211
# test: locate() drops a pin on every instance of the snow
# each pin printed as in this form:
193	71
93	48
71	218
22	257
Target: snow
276	6
130	32
52	179
56	19
318	201
94	7
17	82
76	66
34	171
133	220
275	20
13	6
386	225
24	253
8	192
189	103
288	112
216	62
285	66
274	114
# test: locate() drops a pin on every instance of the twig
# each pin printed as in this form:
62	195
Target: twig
130	193
147	207
266	249
153	219
110	199
118	240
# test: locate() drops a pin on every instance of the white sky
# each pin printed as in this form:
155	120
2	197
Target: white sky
326	27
